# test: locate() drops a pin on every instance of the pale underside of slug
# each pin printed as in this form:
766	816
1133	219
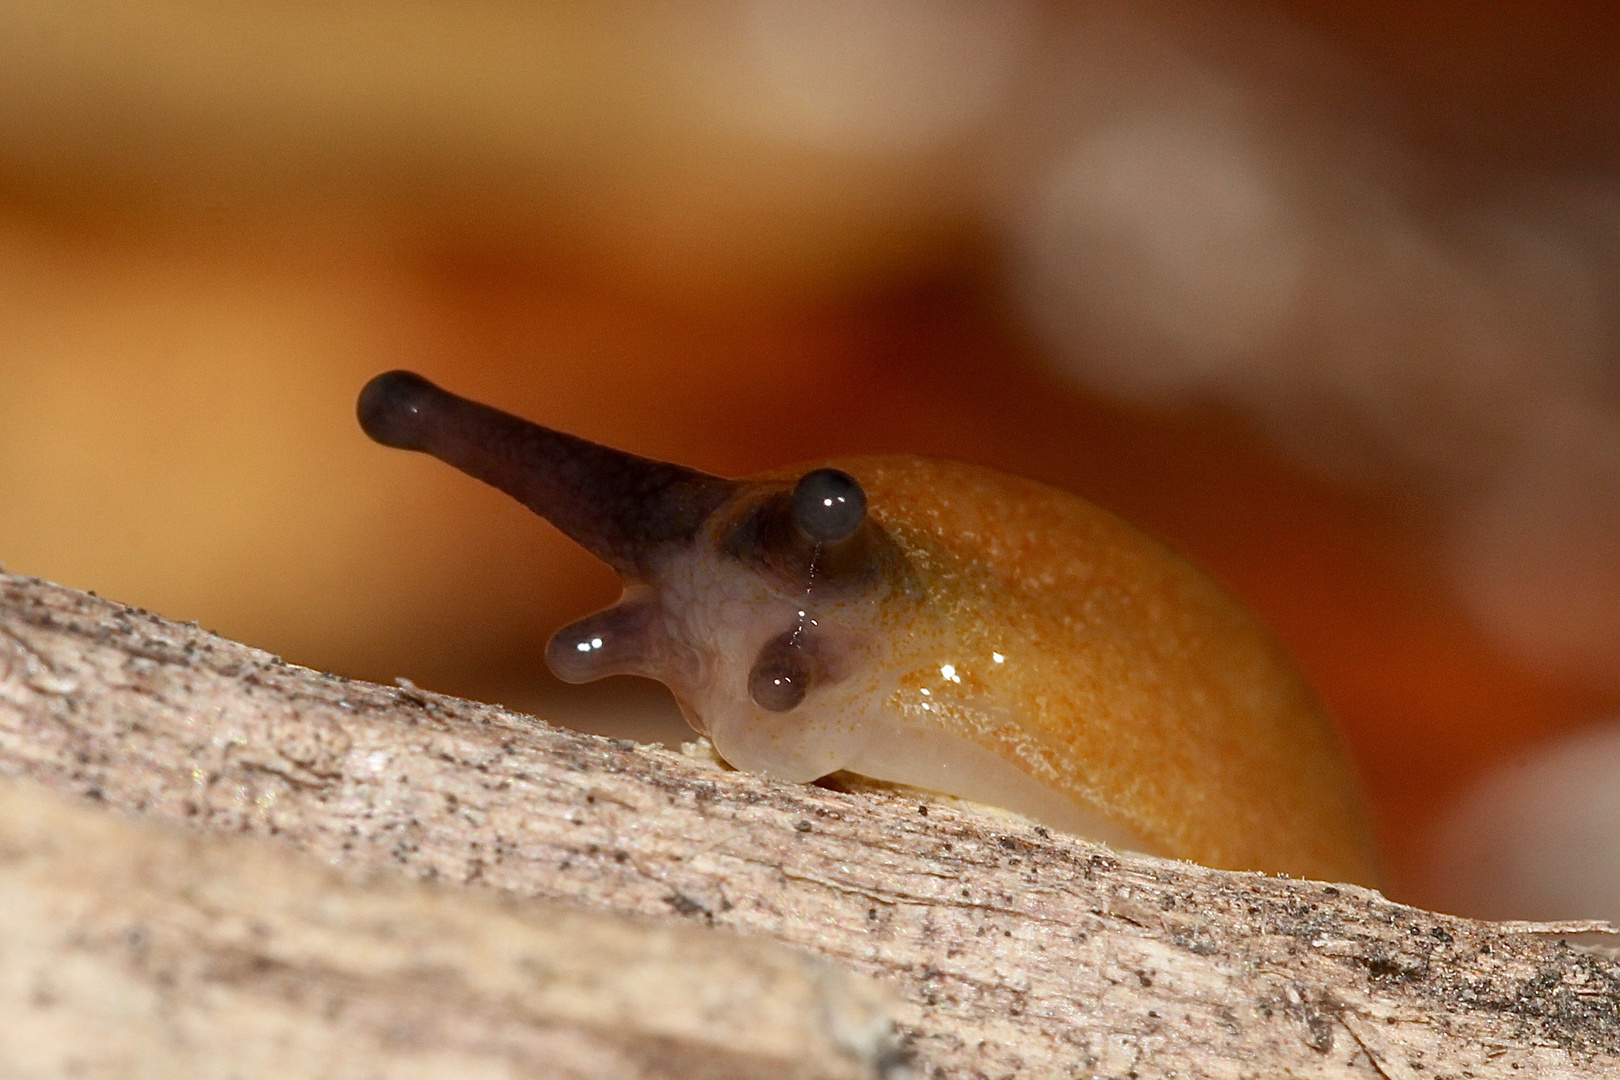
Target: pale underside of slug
957	629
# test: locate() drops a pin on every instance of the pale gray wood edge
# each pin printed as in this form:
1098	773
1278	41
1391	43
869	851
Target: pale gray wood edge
1014	952
133	951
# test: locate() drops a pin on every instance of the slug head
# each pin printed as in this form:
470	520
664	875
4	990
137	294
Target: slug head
760	603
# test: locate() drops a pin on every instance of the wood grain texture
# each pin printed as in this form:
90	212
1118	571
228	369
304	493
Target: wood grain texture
189	954
1013	952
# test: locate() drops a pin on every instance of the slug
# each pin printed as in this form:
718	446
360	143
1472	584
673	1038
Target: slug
932	624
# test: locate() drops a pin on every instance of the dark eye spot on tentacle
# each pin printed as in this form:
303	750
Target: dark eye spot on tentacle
828	505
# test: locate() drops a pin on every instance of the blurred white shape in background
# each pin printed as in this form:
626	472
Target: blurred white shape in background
886	75
1160	256
1537	554
1202	222
1539	839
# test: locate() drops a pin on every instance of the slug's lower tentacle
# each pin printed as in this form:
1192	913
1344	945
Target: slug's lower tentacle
782	673
620	640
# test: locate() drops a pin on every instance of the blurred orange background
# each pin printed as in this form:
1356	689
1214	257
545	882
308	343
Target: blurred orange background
1322	293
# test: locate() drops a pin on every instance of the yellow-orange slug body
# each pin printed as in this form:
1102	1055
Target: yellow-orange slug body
1112	671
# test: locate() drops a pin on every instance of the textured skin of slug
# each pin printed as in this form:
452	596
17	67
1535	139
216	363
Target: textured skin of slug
1130	682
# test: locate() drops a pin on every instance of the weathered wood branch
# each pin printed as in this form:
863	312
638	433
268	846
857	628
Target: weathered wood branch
1011	952
133	951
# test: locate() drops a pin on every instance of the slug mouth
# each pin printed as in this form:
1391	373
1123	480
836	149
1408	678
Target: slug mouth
629	511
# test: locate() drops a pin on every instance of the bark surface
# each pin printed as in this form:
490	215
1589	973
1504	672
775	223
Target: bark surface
1006	950
132	951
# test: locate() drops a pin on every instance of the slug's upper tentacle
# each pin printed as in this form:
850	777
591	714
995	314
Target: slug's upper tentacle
817	528
627	510
828	505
